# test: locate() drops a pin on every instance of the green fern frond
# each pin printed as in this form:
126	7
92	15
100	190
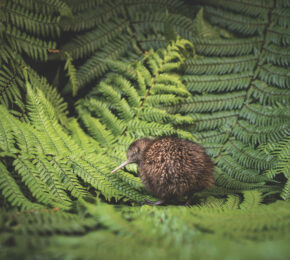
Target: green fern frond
206	103
220	65
259	9
47	6
278	35
233	202
32	46
211	121
51	94
71	71
274	75
31	22
264	115
276	55
236	22
38	186
89	15
119	107
247	222
9	87
252	199
217	83
226	47
11	191
7	140
281	151
48	175
95	67
269	95
47	221
238	172
247	156
249	134
85	45
97	130
222	179
281	16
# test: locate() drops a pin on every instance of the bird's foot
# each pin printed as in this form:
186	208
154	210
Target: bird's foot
154	203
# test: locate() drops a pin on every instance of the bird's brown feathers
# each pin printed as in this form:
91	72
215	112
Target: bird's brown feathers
171	167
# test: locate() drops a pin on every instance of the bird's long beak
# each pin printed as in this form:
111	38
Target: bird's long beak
120	166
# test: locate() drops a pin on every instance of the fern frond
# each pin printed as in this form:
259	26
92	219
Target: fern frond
222	179
31	22
236	22
249	134
220	65
206	103
276	55
233	202
37	186
11	191
95	67
69	180
7	141
51	94
9	87
281	151
71	71
278	35
85	45
91	16
259	9
97	130
252	199
274	75
203	121
281	16
264	115
217	83
48	175
247	156
269	95
47	6
226	47
238	172
32	46
106	116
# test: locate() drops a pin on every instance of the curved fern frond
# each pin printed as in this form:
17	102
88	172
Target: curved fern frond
11	191
281	151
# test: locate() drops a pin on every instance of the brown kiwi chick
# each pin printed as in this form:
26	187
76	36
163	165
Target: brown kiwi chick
170	167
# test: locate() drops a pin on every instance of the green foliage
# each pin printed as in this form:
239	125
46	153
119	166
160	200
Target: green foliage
139	232
211	71
71	71
49	162
128	103
281	151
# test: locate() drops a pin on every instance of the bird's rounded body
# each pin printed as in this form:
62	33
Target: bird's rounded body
171	167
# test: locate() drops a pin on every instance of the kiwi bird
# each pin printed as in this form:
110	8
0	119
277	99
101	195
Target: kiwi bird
170	167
